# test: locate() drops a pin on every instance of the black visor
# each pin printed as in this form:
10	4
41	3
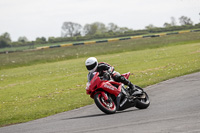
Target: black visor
90	67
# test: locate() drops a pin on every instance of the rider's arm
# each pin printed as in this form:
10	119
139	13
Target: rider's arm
104	67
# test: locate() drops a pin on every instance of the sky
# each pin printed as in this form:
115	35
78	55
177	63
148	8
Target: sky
44	18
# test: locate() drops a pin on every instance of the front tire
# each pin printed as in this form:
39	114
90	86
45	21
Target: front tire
107	107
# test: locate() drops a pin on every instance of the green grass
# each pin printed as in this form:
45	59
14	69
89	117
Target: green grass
40	90
20	59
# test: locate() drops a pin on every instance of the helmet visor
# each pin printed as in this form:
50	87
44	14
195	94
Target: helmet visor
92	66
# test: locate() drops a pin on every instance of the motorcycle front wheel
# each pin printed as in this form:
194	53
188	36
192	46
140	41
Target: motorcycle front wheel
107	107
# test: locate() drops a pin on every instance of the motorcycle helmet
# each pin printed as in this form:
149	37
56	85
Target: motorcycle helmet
91	64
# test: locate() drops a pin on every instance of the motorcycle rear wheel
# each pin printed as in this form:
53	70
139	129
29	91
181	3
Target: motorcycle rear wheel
103	105
142	102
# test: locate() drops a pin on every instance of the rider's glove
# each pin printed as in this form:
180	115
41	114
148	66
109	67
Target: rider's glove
110	71
106	76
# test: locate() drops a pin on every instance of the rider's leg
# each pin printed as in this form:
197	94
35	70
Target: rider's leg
119	78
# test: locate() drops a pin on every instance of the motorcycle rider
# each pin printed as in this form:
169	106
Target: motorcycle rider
92	66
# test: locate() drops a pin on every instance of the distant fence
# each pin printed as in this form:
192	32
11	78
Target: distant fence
116	39
102	41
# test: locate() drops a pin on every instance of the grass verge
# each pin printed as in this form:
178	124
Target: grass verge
36	91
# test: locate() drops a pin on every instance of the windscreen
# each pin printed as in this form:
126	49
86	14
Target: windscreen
90	76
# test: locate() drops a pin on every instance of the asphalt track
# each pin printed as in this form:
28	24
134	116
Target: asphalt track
175	108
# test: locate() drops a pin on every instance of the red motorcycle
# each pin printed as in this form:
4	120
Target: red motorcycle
111	96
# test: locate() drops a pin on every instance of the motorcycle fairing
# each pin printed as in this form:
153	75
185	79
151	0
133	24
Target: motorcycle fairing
96	83
93	84
108	86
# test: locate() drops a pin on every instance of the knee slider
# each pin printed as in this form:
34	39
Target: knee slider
122	78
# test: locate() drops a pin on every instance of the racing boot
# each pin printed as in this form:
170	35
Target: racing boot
131	87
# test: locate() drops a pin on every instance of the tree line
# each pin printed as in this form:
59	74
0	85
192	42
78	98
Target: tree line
71	31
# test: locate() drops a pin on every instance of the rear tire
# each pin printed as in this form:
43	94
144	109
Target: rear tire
143	101
106	107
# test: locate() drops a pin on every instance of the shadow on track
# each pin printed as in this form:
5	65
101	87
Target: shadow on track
99	115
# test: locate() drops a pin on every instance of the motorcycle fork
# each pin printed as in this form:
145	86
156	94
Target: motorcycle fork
105	96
